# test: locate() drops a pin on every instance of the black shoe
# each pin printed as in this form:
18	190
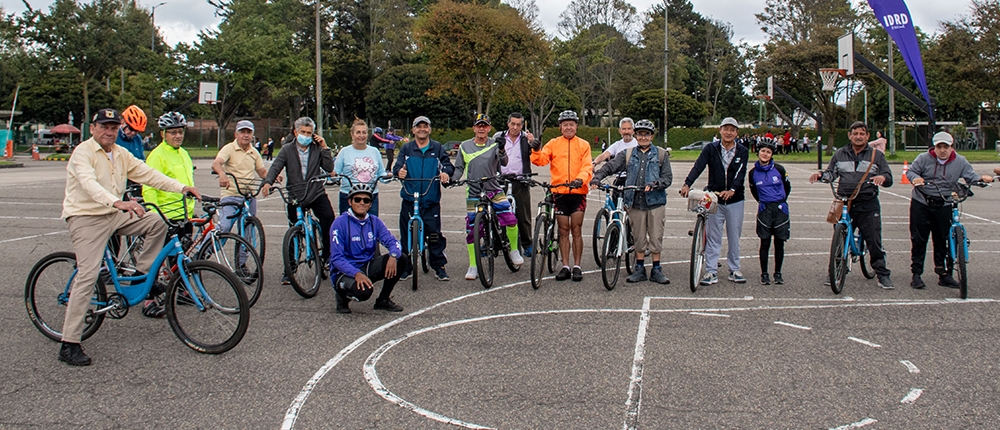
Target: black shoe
885	282
343	304
577	274
285	280
404	276
917	283
387	305
765	279
948	282
778	280
563	274
638	274
325	273
72	354
153	309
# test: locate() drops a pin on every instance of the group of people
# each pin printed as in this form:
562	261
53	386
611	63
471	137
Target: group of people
785	144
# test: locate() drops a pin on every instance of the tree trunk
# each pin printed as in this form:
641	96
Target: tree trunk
86	108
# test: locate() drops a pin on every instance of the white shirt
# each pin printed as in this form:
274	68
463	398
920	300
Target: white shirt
620	146
514	163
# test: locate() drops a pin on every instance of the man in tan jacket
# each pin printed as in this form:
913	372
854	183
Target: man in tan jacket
94	210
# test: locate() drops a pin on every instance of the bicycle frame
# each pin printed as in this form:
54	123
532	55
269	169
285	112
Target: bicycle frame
852	245
956	224
415	218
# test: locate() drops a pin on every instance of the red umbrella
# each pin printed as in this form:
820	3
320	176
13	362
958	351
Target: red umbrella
64	129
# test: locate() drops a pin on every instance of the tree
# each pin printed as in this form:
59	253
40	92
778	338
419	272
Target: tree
685	111
583	14
401	94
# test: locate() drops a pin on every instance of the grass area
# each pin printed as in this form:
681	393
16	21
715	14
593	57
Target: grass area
986	156
7	163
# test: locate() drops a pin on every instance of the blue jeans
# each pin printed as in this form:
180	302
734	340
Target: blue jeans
732	216
225	223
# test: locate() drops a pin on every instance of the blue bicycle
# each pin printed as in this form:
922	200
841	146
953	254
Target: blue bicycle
301	248
415	244
206	305
958	240
847	246
246	225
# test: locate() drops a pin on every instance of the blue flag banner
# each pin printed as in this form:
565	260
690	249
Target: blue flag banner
895	18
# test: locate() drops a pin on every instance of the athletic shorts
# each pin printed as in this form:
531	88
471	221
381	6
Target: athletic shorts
773	220
568	204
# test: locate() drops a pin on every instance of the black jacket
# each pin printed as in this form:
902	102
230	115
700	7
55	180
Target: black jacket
720	180
288	159
525	150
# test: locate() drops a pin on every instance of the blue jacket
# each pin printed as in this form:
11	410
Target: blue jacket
133	145
720	179
655	172
422	164
353	242
769	184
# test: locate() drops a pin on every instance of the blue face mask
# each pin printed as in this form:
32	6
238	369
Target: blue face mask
304	140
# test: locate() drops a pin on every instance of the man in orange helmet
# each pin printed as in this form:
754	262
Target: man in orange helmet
130	133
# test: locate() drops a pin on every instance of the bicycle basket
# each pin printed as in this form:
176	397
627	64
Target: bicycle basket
702	201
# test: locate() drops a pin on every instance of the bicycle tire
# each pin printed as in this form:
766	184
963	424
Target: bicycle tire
552	243
541	251
224	249
612	262
697	261
630	248
43	289
601	222
482	240
253	232
838	261
866	269
961	262
414	252
304	282
225	308
506	249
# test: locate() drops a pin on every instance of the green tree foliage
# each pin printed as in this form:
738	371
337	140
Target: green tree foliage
401	94
684	110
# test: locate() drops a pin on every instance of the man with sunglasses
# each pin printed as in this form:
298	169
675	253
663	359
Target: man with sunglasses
130	132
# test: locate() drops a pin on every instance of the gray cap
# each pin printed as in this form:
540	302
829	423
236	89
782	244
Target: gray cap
943	137
730	121
244	124
421	119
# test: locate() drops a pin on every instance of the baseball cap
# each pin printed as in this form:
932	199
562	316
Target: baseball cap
244	124
421	119
107	115
481	119
943	137
730	121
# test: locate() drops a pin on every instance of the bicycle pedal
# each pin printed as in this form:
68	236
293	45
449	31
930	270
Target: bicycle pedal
690	232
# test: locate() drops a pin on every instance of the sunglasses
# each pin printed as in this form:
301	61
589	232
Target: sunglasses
364	200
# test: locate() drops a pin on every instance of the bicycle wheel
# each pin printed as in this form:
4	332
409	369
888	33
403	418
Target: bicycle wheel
552	242
838	260
237	254
541	251
253	232
414	251
600	225
698	239
862	260
500	234
209	312
46	294
612	262
302	271
630	248
482	239
961	247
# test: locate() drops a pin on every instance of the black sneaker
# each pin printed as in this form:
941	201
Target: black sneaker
440	274
778	280
885	282
765	279
404	276
577	274
153	309
917	283
387	305
947	281
343	304
73	355
563	274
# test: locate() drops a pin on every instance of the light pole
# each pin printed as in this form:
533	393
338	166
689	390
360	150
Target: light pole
152	46
319	80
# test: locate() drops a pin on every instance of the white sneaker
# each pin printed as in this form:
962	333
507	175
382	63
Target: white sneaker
516	258
472	274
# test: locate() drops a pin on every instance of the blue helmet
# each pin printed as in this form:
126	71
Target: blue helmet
378	130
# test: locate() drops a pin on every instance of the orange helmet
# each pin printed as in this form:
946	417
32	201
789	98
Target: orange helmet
134	118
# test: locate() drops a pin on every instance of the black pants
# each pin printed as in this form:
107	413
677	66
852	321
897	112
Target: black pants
389	154
323	211
869	220
375	271
779	254
522	198
934	222
434	240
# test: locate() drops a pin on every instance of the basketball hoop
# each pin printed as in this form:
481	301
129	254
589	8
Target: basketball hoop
830	78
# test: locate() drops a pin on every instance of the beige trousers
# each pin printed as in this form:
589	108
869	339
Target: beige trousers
647	229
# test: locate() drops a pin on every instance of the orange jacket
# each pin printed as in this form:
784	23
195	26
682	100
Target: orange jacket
567	160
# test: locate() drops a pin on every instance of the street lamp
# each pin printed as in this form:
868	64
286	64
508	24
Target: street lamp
152	46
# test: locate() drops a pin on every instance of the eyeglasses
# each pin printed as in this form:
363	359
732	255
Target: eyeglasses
643	135
363	200
175	132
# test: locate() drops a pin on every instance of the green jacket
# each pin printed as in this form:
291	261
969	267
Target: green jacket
175	163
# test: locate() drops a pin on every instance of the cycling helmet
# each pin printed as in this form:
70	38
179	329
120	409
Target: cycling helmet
135	118
645	124
768	143
172	120
361	189
378	130
568	115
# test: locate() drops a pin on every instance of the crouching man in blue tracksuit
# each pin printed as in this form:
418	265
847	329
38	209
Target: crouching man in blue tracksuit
354	267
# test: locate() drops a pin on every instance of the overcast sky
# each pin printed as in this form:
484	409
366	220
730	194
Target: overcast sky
181	20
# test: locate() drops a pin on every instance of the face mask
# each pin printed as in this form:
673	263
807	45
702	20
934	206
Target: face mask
304	140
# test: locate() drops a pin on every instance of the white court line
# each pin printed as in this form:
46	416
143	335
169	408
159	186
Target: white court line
35	218
33	236
865	342
910	366
30	204
963	213
857	425
634	401
708	314
800	327
913	396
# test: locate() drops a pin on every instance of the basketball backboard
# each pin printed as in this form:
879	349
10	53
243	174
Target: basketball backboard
208	92
845	51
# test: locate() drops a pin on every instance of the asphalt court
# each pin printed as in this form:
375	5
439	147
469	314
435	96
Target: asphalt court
569	355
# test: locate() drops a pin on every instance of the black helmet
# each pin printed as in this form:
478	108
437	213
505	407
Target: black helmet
645	124
768	143
568	115
171	120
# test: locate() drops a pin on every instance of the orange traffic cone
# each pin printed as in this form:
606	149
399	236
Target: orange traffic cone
34	153
906	168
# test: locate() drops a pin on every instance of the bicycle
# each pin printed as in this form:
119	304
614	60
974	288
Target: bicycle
488	238
847	245
617	241
228	249
703	204
546	240
602	221
247	225
302	245
197	289
958	239
507	181
415	244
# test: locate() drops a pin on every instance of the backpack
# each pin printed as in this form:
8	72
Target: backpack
661	153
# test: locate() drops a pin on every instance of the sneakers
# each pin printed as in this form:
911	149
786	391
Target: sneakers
153	308
405	275
917	283
778	280
709	279
516	258
638	275
440	274
765	279
527	252
737	277
657	275
387	305
285	280
343	303
563	274
73	355
577	274
471	274
885	283
947	281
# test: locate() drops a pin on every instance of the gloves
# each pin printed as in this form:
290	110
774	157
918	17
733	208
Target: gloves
595	183
501	145
536	145
577	183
